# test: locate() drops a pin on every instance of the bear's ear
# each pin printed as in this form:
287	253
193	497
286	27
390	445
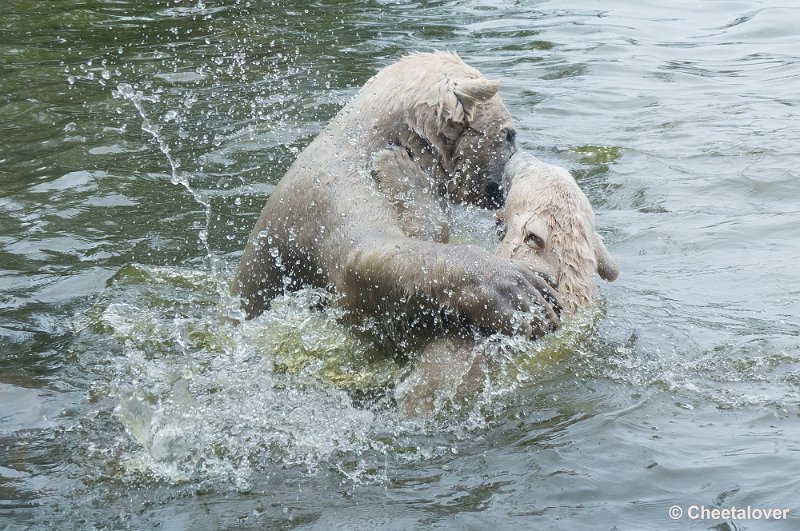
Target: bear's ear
459	99
607	267
472	92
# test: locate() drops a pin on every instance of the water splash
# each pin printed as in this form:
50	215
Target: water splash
138	99
217	405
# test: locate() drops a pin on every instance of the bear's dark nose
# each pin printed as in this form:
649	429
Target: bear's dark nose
494	195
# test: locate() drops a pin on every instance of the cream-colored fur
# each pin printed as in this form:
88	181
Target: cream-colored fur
550	224
329	223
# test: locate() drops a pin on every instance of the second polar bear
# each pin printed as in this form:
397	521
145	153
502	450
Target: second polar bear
548	222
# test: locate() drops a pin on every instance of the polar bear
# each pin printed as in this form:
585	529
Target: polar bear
328	223
548	222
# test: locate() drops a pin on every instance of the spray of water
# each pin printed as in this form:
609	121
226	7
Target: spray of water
150	126
214	404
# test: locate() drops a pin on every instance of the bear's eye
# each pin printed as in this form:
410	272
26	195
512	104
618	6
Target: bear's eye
534	241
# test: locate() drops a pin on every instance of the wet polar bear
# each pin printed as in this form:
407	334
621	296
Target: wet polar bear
328	222
549	223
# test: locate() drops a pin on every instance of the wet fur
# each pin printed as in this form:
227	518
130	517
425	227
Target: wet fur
330	223
545	201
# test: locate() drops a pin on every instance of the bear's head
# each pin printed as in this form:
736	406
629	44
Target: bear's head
549	222
458	118
479	140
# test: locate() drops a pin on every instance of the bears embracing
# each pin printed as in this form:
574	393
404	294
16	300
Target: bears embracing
329	223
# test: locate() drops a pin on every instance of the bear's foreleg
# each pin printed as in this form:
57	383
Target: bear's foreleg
401	275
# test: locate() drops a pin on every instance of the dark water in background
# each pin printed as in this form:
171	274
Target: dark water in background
138	141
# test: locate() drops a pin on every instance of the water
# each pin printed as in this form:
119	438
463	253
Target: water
138	142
